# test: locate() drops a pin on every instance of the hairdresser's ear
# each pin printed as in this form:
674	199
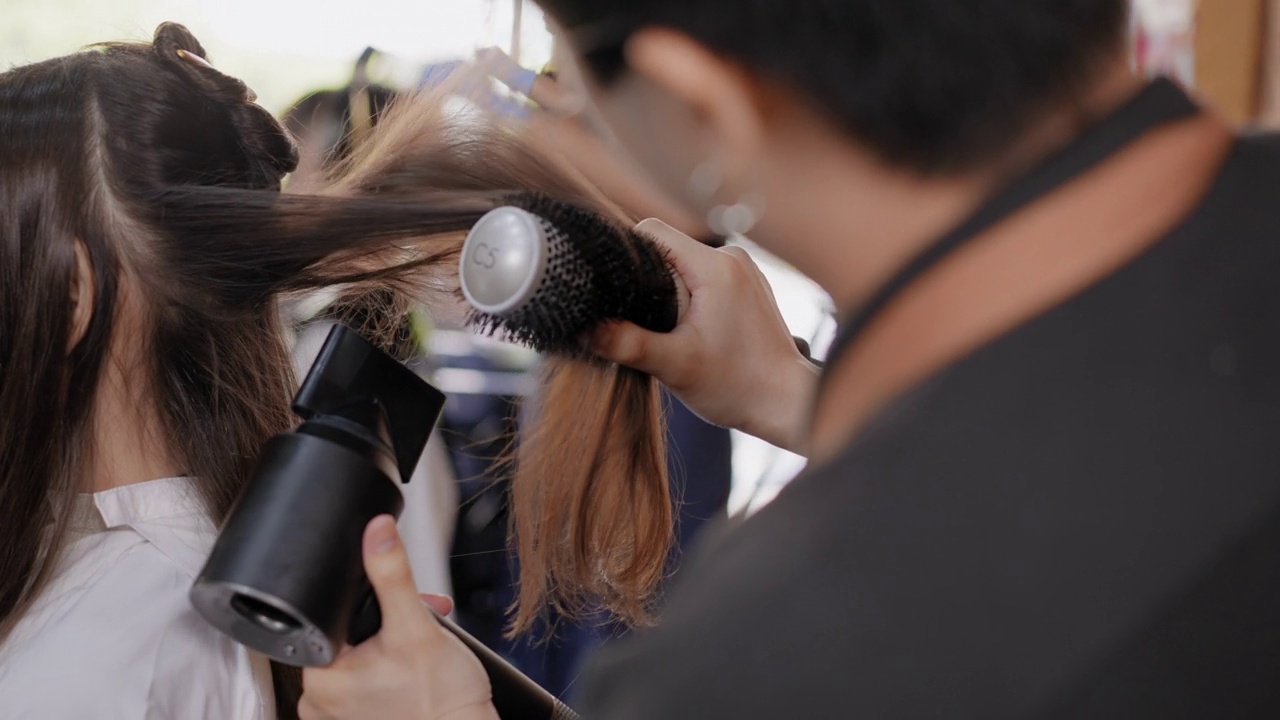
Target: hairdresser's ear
83	291
721	95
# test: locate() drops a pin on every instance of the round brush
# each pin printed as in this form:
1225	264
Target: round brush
546	274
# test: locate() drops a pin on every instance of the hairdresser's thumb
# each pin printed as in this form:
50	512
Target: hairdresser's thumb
387	565
669	237
631	345
442	604
658	354
685	253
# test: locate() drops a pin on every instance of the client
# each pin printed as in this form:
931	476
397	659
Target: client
144	251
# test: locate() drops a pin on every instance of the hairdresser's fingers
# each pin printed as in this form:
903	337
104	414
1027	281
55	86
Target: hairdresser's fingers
309	709
320	697
691	258
440	603
495	56
414	668
661	355
668	236
387	565
325	689
674	241
759	281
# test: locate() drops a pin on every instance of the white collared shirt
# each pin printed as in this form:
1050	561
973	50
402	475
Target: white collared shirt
114	637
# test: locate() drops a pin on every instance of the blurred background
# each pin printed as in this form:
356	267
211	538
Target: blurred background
286	48
1230	49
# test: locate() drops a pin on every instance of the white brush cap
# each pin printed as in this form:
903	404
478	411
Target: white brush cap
504	260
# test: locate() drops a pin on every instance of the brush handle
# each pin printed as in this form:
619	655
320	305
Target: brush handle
515	696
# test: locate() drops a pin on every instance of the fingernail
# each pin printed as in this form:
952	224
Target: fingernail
382	535
653	224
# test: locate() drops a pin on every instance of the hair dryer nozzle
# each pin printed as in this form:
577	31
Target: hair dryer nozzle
349	374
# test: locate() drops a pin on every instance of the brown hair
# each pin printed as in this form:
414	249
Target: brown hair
164	172
591	509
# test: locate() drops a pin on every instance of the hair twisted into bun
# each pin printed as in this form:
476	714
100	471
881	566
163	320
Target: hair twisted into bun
251	149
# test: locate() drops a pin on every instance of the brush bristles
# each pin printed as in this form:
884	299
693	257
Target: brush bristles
596	272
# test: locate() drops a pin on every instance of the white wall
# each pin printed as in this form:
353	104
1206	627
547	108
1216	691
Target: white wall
281	48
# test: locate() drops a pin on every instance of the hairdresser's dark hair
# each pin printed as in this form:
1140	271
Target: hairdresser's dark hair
937	85
168	176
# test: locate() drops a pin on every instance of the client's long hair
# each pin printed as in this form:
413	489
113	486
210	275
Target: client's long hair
590	505
590	501
168	175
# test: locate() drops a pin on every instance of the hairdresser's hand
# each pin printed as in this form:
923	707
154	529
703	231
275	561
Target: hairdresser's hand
495	57
413	668
731	358
442	604
506	70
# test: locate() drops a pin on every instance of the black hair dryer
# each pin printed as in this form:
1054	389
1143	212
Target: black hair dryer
286	576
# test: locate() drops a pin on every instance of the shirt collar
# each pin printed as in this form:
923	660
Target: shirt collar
85	517
130	505
168	513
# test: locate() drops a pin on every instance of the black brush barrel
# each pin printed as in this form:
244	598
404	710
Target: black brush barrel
595	272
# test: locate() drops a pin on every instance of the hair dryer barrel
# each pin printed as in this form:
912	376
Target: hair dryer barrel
286	576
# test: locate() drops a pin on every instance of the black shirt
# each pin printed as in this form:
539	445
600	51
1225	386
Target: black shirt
1081	519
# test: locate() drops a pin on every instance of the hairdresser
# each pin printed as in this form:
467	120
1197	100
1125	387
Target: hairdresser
1044	475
